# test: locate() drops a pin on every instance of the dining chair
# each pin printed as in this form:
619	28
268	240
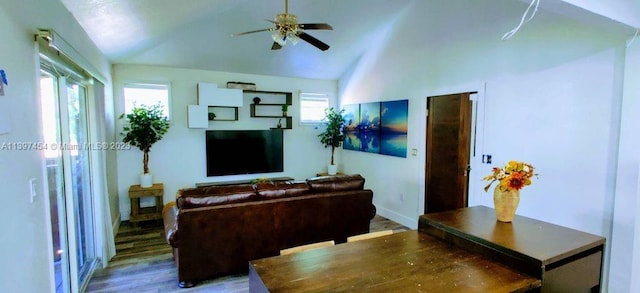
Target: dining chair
307	247
369	235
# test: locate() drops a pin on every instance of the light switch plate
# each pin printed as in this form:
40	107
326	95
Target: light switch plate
32	190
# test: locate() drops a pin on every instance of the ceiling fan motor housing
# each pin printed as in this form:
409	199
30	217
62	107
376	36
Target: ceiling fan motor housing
286	22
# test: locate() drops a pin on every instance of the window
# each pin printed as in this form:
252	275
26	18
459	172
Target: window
138	94
312	107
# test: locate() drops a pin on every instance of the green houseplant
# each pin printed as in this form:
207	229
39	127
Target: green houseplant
146	126
333	134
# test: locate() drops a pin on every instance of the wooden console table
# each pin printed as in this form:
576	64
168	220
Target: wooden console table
146	214
565	260
465	250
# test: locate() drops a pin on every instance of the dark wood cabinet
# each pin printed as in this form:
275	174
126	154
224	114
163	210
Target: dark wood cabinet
564	259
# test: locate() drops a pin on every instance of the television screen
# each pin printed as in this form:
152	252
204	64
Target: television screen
233	152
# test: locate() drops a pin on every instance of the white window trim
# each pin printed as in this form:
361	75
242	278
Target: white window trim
310	97
149	85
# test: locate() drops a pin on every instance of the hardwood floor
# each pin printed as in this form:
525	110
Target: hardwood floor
144	263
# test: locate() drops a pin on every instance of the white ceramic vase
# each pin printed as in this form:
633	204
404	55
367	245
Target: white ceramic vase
146	180
332	169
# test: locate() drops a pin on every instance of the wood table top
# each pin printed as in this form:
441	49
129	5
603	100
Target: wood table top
403	262
543	242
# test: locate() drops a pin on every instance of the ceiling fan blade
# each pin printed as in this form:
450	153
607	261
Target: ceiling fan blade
313	41
276	46
315	26
256	31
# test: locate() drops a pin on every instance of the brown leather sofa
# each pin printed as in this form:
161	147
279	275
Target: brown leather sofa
216	231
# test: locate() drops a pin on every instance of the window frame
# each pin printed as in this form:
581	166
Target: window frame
147	85
308	96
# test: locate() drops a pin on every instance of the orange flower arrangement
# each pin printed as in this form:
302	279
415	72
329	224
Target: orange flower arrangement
514	176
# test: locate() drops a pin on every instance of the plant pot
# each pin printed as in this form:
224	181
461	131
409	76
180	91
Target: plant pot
506	203
146	180
332	169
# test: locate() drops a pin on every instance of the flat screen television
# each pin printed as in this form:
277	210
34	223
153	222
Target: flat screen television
233	152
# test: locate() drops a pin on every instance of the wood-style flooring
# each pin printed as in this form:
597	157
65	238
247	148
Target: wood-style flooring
144	263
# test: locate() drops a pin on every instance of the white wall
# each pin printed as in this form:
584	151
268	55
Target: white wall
25	251
178	160
550	96
24	267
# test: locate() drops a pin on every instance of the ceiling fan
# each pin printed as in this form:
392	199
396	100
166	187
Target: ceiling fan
287	28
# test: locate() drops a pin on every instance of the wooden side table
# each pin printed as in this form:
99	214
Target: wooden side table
149	213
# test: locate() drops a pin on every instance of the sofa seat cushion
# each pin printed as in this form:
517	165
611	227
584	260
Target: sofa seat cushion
281	189
336	183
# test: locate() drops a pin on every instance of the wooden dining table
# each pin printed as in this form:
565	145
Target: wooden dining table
409	261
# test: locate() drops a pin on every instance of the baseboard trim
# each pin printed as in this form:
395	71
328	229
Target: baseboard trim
116	226
399	218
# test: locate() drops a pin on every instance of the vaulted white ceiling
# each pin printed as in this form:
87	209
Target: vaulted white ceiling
197	33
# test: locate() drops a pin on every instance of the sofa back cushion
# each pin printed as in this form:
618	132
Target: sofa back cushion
213	200
281	189
336	183
214	190
214	195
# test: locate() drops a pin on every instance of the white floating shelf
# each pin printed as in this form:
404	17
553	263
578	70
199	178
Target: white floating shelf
209	94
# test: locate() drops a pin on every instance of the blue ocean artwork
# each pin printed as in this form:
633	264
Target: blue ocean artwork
379	127
351	117
369	117
394	128
394	145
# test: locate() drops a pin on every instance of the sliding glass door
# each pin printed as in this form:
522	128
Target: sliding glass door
64	117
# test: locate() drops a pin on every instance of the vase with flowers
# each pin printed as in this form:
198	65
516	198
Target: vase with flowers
506	196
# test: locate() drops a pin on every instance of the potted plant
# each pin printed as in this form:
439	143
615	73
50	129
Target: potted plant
285	107
333	134
146	126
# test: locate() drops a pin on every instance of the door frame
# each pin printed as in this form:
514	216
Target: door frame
67	212
475	195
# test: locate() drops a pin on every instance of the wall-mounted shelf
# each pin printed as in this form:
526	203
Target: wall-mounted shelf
225	102
270	106
223	113
211	95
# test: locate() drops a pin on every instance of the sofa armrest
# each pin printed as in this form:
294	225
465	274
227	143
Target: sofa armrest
170	219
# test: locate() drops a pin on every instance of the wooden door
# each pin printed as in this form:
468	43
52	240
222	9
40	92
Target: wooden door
448	152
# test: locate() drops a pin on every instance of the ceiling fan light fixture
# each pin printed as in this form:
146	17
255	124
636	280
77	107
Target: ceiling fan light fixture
287	28
279	38
292	36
